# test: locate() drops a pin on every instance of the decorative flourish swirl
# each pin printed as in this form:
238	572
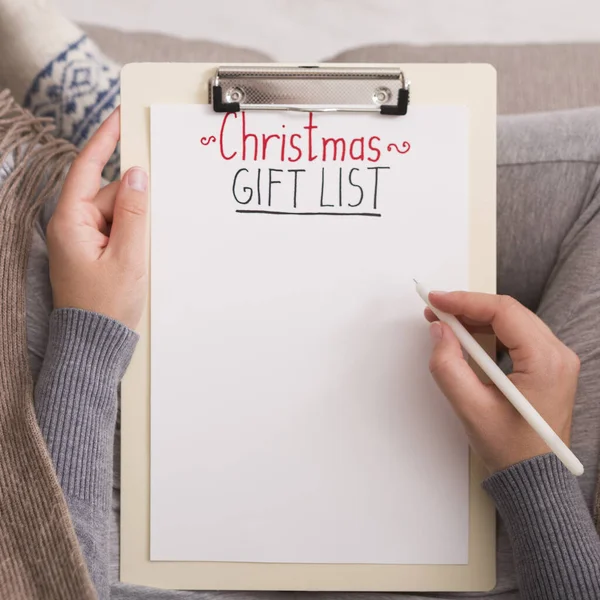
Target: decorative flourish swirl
205	141
405	148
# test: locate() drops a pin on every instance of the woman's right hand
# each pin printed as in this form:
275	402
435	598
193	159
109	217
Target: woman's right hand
544	370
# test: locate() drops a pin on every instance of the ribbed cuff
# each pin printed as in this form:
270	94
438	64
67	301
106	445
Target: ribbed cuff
76	397
555	544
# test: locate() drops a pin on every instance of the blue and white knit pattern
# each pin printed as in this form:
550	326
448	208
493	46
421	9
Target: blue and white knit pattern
79	88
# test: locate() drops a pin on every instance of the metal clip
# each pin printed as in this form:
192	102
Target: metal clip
310	89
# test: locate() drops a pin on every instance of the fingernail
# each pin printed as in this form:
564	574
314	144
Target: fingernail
435	332
438	292
137	179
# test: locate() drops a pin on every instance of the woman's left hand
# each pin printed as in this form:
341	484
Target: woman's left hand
97	237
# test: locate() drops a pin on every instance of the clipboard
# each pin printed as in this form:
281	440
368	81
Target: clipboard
382	88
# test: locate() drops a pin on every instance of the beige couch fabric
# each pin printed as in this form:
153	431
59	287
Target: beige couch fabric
127	47
531	78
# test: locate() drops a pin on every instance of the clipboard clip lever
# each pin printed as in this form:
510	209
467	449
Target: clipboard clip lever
310	89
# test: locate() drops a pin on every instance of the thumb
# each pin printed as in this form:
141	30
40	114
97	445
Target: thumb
453	375
128	229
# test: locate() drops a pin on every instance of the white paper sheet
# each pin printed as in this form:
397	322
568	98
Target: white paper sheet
293	417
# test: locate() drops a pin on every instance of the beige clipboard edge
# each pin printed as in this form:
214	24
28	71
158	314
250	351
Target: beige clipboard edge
143	84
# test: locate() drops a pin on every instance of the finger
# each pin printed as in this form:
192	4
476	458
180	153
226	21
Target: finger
85	175
105	200
455	378
472	325
516	326
103	203
128	231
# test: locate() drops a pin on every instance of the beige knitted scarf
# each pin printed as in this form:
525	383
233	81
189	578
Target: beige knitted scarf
39	554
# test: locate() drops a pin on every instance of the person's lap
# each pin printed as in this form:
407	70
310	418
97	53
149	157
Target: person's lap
548	258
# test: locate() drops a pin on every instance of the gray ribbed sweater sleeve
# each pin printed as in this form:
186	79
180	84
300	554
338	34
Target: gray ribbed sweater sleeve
555	545
76	407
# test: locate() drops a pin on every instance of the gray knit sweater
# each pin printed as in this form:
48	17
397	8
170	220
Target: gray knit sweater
555	544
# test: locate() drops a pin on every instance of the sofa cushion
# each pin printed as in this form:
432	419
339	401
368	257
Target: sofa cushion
124	47
530	77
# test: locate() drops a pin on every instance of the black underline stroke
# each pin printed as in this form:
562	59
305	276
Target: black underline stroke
307	214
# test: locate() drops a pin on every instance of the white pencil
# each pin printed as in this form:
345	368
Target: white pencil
506	386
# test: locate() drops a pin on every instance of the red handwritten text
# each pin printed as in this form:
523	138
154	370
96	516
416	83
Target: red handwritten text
238	139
